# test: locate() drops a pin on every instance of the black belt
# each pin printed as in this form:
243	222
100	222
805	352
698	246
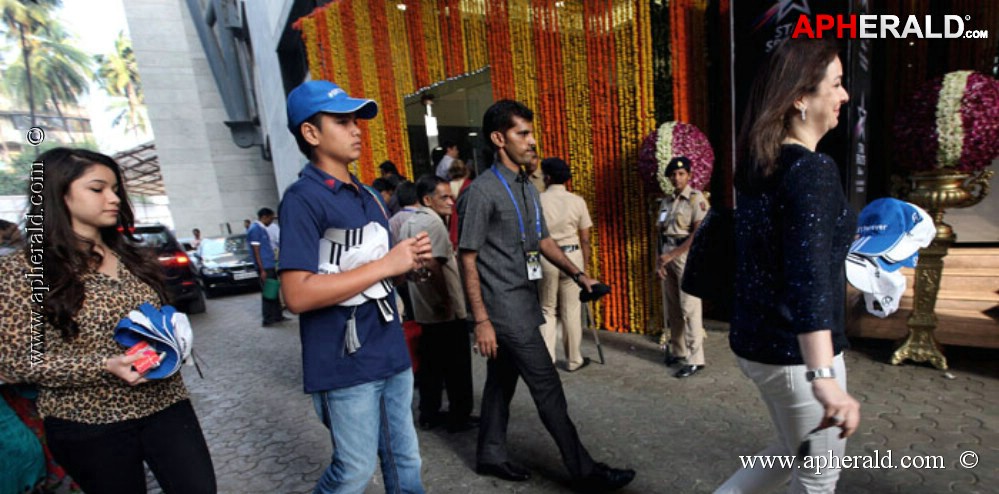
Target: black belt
675	240
569	248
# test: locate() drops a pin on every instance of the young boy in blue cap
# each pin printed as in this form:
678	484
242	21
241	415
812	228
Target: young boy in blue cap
336	270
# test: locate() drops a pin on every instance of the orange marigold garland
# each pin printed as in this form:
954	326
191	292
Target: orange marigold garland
554	59
417	44
550	78
500	51
388	96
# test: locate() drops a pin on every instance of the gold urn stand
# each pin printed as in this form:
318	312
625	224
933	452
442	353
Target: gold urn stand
935	191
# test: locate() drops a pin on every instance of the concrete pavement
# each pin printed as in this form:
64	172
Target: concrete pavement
681	436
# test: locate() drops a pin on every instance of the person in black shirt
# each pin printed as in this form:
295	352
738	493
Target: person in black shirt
793	230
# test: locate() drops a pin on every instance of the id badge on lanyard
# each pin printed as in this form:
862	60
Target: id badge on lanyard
533	257
534	265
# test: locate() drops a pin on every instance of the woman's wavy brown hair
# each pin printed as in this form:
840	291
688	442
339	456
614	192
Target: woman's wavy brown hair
794	69
67	256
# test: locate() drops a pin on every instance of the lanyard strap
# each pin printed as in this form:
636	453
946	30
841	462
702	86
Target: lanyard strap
520	219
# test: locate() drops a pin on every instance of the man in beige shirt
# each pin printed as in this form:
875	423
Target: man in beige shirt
569	225
439	307
680	213
535	175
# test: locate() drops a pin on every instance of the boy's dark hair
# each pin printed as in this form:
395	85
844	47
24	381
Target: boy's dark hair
382	184
265	212
406	192
499	117
427	184
303	145
448	144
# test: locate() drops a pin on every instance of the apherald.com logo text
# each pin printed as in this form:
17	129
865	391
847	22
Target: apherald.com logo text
854	26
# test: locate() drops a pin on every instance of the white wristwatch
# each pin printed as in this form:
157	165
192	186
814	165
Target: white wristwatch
820	373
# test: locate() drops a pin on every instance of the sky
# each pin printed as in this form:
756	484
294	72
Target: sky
95	24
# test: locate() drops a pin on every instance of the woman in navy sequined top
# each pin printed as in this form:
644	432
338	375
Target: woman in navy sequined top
793	229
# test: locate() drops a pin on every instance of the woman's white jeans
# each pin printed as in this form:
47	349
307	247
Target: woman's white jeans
795	412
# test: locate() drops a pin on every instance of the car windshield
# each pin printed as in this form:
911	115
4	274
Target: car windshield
214	248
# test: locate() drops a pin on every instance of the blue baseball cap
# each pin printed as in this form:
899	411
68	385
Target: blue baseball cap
312	97
894	230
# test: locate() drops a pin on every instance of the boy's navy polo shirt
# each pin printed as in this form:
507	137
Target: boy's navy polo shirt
314	203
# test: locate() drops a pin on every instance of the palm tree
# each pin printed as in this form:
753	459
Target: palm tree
60	72
21	18
118	75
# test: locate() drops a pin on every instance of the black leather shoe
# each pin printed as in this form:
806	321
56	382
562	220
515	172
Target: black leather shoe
605	479
670	360
687	371
506	471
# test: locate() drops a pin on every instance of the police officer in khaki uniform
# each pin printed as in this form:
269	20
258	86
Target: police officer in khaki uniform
680	213
535	175
569	226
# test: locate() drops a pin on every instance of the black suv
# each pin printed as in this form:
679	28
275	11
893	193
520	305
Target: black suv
179	276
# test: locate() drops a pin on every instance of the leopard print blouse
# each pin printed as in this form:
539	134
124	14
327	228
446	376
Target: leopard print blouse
73	384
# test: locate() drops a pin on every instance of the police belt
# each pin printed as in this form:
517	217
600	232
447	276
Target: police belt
569	248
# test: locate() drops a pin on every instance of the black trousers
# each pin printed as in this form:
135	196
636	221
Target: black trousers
107	458
522	353
270	309
446	361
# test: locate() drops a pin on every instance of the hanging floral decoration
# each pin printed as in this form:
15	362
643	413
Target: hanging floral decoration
584	67
674	139
951	122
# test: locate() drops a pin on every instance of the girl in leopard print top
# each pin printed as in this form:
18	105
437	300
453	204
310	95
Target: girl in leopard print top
60	300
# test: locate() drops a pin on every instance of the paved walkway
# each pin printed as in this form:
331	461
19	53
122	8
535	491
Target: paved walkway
682	436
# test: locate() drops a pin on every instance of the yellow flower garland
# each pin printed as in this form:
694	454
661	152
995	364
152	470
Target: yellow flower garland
621	58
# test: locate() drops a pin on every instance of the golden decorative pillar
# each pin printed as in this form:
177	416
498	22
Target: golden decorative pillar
935	191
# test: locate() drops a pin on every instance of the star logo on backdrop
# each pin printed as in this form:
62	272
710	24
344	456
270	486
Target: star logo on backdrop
784	7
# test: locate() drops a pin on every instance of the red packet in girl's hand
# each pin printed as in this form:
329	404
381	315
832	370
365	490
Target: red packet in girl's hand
149	360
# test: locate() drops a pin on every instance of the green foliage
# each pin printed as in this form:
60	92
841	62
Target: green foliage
14	180
118	75
59	72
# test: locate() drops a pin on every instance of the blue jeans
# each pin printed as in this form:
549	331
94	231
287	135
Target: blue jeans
366	421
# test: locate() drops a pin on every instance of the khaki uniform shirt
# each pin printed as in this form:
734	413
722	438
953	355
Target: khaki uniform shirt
537	179
428	303
677	213
565	214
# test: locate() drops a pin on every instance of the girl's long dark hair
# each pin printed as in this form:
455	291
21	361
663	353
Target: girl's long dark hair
794	69
67	256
